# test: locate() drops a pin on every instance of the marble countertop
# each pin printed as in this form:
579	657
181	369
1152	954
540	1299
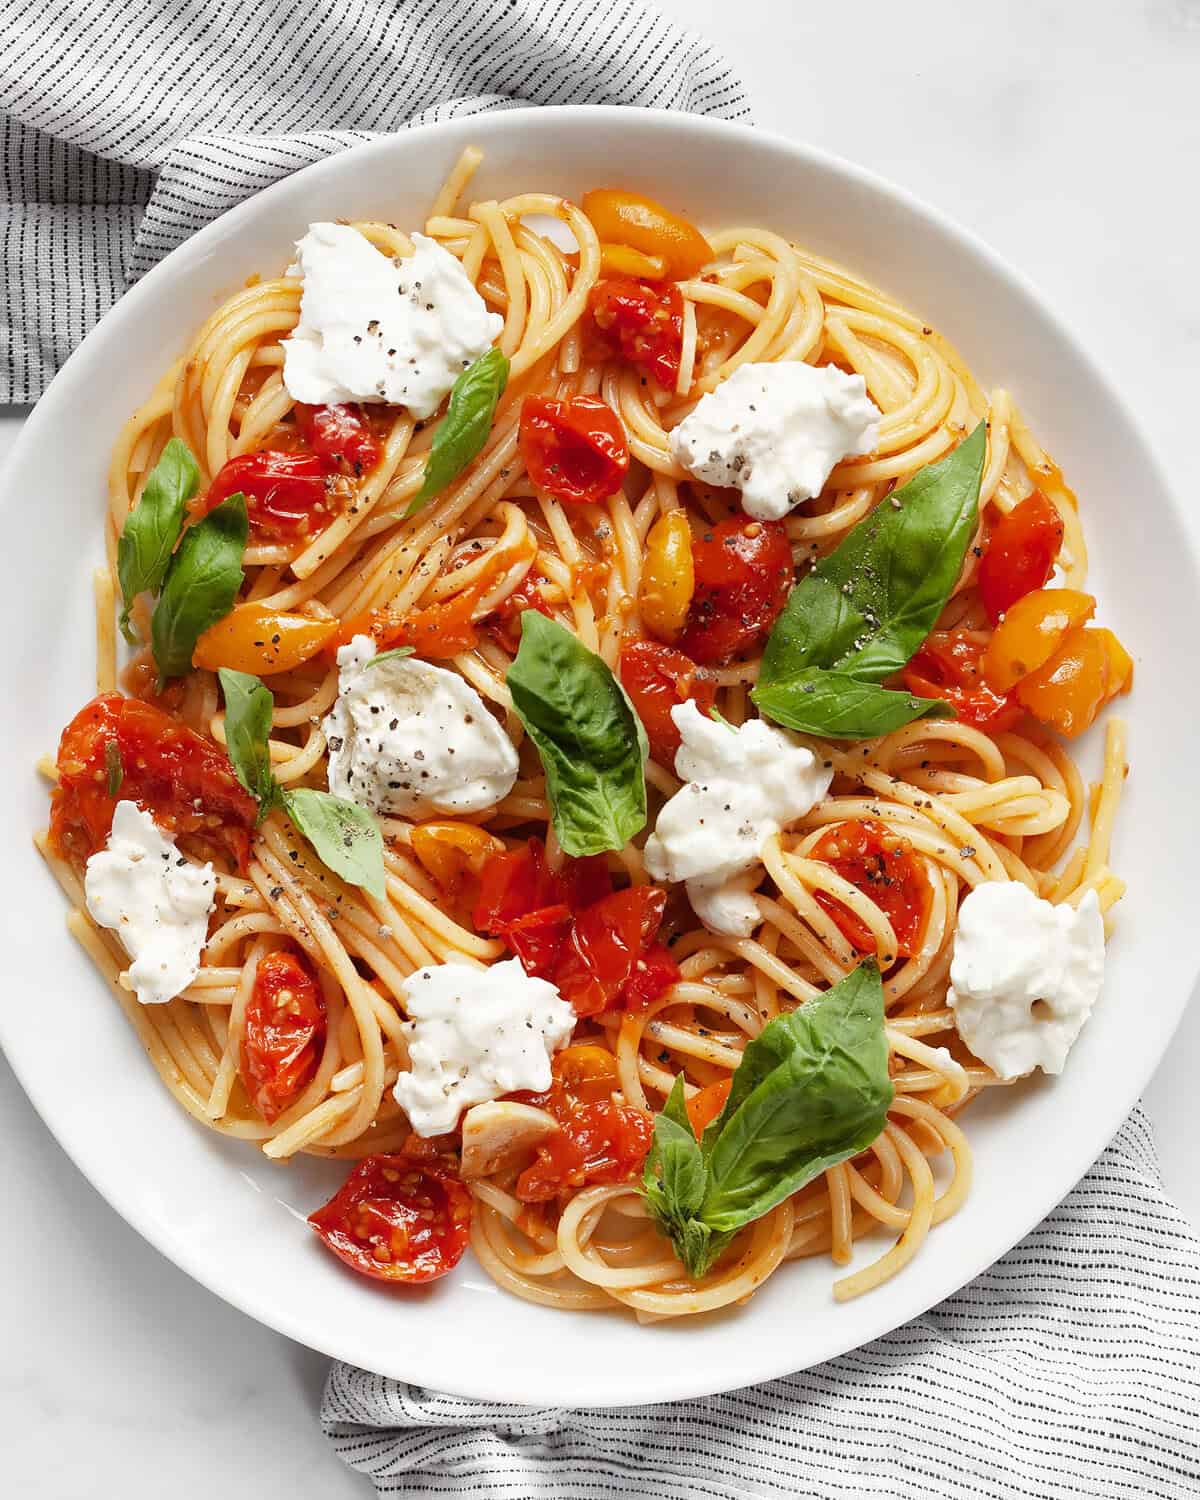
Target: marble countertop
1067	136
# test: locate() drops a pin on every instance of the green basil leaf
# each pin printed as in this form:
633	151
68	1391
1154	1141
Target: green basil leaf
248	709
344	835
202	581
464	429
866	608
152	527
674	1182
389	655
591	742
115	769
839	707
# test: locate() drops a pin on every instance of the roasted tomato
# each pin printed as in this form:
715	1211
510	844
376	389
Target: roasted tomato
641	322
454	855
624	260
284	1032
606	953
586	1072
1069	690
1020	554
706	1104
513	884
1033	629
948	667
398	1218
668	577
121	748
602	1141
624	218
436	631
657	678
575	449
339	436
744	574
287	497
252	638
505	621
883	866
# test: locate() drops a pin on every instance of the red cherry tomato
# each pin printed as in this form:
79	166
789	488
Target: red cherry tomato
399	1218
604	1141
883	866
575	449
1020	554
505	621
537	938
948	667
743	577
339	436
657	678
512	885
183	780
284	1032
642	322
286	494
604	959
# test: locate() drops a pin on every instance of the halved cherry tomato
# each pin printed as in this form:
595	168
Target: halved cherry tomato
575	449
642	322
185	782
587	1072
435	631
339	436
624	218
398	1218
1069	690
513	884
453	853
598	967
706	1104
1020	554
284	1032
537	937
668	576
948	667
286	493
657	678
624	260
884	867
604	1141
252	638
743	577
1032	630
505	620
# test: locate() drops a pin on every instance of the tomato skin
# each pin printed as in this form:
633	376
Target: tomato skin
1020	554
642	322
743	570
624	260
436	631
505	621
251	638
602	1141
184	781
948	667
668	578
537	938
1069	690
339	436
514	884
574	449
621	217
284	1032
586	1072
287	497
1033	629
705	1105
402	1218
609	939
883	866
657	678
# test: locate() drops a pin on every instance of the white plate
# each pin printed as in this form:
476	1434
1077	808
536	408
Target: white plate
235	1222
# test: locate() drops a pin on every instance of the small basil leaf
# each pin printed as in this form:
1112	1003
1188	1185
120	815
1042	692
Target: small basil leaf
344	835
201	583
389	655
248	710
591	742
674	1181
152	527
463	431
838	707
115	769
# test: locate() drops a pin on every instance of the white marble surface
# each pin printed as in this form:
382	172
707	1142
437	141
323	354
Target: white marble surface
1067	136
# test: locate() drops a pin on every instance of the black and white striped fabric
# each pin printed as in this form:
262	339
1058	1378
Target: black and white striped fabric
126	125
1071	1368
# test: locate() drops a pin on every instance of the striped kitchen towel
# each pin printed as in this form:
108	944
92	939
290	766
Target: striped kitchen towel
128	124
1071	1368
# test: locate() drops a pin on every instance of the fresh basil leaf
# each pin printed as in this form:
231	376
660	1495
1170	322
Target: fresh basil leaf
344	835
839	707
152	527
464	429
388	655
591	742
115	769
866	608
248	710
715	713
201	583
674	1181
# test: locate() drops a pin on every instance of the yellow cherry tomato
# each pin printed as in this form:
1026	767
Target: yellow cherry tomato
668	576
624	260
587	1072
622	218
1031	632
252	638
1069	690
451	851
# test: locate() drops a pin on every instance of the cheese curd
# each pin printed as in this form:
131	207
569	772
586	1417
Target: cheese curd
1024	976
155	900
742	786
475	1034
412	739
775	431
375	329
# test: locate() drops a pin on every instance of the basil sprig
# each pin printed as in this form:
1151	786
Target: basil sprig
812	1089
202	582
863	611
591	742
152	527
344	835
464	429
